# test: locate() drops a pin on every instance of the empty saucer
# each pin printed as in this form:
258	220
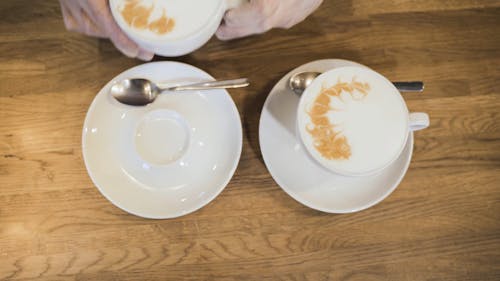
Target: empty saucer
168	158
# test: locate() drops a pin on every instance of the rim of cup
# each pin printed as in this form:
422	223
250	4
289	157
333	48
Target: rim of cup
308	95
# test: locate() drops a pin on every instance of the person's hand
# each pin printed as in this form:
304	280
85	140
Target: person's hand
259	16
93	18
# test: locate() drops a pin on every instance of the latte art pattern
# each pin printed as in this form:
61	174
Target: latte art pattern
137	16
328	138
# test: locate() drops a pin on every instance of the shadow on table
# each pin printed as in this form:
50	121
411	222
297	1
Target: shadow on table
251	115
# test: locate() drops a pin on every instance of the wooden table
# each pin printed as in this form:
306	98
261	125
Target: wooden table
442	223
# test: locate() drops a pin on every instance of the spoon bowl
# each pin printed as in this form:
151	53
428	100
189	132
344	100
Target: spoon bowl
135	91
300	81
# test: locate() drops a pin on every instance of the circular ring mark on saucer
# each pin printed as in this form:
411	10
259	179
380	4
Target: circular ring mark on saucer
162	137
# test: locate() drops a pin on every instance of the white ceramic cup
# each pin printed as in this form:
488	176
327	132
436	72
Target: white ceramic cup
195	22
354	122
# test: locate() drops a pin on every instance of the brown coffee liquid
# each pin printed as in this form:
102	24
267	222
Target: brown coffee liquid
137	16
328	140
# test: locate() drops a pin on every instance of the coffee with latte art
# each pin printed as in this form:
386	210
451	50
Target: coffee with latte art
353	120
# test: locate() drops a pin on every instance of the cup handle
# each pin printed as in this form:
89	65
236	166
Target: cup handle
419	121
231	4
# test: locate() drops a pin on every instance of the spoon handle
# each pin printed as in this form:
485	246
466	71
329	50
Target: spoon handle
415	86
225	84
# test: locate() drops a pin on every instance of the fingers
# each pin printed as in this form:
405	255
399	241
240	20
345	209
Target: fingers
145	55
303	10
125	46
69	18
102	15
226	32
89	27
76	19
258	16
93	18
250	18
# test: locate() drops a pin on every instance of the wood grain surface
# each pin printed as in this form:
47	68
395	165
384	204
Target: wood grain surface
442	223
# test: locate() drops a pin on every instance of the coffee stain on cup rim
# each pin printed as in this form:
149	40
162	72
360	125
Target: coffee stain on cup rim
137	16
328	140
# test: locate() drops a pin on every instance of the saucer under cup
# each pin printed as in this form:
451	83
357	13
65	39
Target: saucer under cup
299	174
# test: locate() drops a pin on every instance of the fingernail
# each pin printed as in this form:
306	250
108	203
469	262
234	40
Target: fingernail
145	55
221	34
130	53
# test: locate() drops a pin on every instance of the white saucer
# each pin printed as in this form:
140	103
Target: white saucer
299	175
197	141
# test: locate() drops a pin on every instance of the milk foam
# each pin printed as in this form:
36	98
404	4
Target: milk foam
375	125
189	16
